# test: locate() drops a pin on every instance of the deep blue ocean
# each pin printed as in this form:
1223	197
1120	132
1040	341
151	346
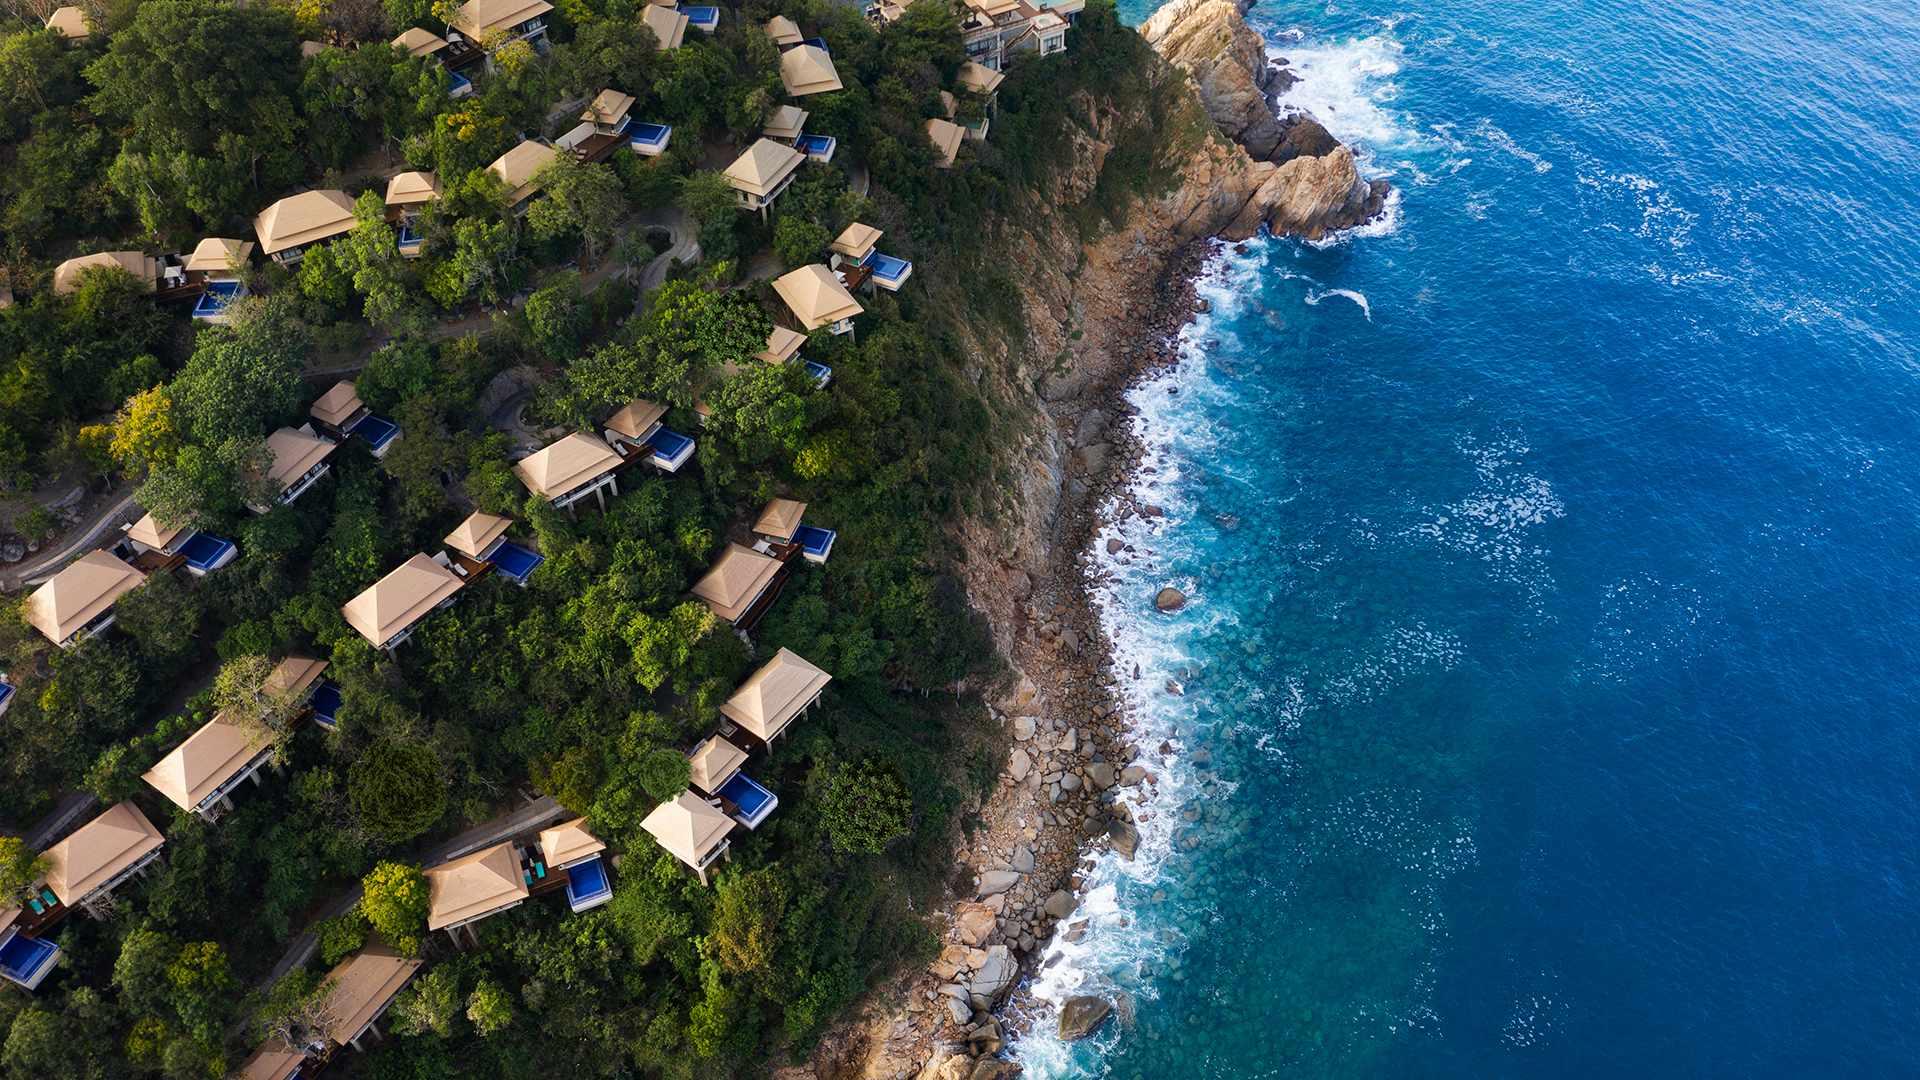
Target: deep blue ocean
1549	697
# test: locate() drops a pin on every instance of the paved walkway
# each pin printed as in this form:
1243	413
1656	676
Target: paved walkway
536	815
40	568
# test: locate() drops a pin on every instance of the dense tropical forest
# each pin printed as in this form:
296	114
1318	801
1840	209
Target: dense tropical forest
176	120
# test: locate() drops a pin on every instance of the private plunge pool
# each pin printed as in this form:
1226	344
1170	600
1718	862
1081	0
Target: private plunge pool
515	562
746	801
587	885
206	553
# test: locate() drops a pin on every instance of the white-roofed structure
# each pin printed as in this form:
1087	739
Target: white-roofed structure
568	470
691	831
740	585
712	763
980	79
88	865
465	890
491	23
785	123
70	22
298	459
517	168
807	69
142	267
783	345
762	172
218	259
569	843
200	773
783	31
775	696
77	603
419	42
363	985
387	611
779	519
818	299
476	536
634	423
669	26
339	407
409	190
293	224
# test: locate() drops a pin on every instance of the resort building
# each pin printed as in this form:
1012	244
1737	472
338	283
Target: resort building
298	461
856	256
980	79
273	1060
493	23
25	959
202	772
164	276
817	299
779	524
993	30
340	413
691	831
783	31
636	428
571	850
296	678
602	127
807	69
761	173
451	55
78	602
364	984
419	42
407	194
945	135
712	763
740	585
480	545
70	23
565	472
516	170
465	890
215	265
785	124
289	227
85	868
782	346
151	547
387	612
772	697
668	24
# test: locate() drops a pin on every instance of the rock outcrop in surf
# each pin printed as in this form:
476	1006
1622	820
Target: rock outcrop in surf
1308	183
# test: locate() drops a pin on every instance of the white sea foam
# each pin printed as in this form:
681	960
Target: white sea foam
1348	86
1359	299
1491	132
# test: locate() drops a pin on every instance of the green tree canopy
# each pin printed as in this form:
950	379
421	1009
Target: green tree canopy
394	898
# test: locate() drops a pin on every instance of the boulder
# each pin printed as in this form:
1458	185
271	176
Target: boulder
1133	774
994	1069
1304	138
1100	775
1060	904
972	923
995	974
1169	599
1022	728
995	882
1022	859
1019	765
961	1014
1126	839
1082	1016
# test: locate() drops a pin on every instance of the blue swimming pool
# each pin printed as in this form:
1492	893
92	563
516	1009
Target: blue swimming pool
378	431
26	960
515	561
649	137
821	373
888	271
668	449
458	85
702	18
815	543
408	240
587	884
205	552
817	147
818	43
752	802
326	705
215	298
6	694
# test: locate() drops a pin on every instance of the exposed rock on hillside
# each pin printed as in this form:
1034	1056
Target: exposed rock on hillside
1309	184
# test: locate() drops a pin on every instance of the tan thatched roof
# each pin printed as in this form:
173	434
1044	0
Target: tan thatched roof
714	762
474	885
945	136
412	189
339	403
782	343
477	533
669	26
635	418
400	599
362	985
217	254
568	842
294	675
769	700
609	108
274	1060
517	167
144	268
763	167
856	240
786	122
980	78
294	452
736	579
71	23
780	518
808	70
209	758
687	827
559	468
478	18
99	850
302	219
153	534
420	42
79	594
816	297
784	31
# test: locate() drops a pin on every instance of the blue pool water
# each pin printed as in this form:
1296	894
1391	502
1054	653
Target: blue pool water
515	561
21	957
816	542
1551	675
326	705
815	145
705	18
215	298
378	431
649	135
669	448
204	551
890	268
587	881
753	800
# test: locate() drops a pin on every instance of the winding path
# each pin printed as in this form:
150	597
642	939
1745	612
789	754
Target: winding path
46	565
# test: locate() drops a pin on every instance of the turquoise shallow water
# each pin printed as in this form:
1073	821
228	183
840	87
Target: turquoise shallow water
1548	695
